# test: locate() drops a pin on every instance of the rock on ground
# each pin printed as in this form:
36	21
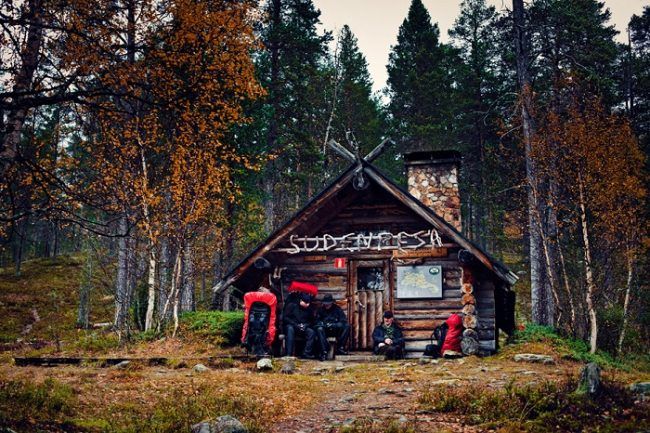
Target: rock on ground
223	424
122	365
640	388
200	368
265	364
288	367
589	379
533	357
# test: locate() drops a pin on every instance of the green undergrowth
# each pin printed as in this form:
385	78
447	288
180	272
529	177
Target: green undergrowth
540	408
23	403
578	350
178	412
370	425
216	327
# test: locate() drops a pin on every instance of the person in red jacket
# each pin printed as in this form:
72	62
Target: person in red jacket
451	346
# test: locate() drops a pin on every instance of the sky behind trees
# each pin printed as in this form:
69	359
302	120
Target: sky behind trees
375	23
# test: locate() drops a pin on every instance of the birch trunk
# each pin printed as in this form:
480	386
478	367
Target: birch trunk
23	83
626	303
187	302
591	285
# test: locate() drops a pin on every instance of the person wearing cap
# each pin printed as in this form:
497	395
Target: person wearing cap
331	321
388	338
299	321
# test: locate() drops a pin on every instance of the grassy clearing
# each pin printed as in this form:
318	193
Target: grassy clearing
218	327
540	408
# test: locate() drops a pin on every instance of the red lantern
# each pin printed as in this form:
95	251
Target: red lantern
339	262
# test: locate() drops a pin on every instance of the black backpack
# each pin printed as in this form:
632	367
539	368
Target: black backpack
258	323
437	339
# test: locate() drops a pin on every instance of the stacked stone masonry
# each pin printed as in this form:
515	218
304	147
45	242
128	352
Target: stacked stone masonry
437	187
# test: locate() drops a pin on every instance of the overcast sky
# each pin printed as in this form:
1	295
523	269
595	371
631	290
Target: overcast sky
375	23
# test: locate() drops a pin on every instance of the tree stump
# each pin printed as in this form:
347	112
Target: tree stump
469	346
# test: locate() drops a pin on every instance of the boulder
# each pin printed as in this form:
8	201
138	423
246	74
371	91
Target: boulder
589	380
642	388
122	365
200	368
223	424
265	364
533	357
288	366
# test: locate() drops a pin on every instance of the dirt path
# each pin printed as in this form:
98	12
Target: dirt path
360	403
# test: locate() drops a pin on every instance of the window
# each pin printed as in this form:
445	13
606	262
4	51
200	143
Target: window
371	278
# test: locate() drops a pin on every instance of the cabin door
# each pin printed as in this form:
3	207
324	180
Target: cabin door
368	295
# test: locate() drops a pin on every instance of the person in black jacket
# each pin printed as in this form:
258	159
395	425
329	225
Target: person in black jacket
299	320
388	338
331	321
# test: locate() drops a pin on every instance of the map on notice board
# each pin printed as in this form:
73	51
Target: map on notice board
422	281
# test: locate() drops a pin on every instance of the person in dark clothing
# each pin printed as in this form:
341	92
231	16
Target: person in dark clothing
299	321
331	321
388	338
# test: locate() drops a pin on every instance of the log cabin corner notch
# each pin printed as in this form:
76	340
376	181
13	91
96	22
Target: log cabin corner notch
402	251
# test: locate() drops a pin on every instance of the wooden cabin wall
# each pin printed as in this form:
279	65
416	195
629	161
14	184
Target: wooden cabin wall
483	291
419	317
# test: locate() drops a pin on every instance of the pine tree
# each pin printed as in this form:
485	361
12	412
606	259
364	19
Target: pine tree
421	88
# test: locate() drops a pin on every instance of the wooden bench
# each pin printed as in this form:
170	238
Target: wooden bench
330	340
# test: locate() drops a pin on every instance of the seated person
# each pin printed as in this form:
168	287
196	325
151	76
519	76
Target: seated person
299	320
388	338
331	321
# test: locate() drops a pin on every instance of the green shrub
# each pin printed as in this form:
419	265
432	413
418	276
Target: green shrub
97	342
220	327
23	402
539	408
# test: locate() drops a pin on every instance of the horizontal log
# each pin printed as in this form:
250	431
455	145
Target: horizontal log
486	334
470	321
469	309
425	304
426	314
427	325
467	289
487	345
468	299
470	333
417	334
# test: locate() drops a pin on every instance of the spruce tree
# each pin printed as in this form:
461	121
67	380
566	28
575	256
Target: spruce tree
421	88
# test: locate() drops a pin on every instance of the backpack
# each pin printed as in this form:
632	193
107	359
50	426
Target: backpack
258	322
437	339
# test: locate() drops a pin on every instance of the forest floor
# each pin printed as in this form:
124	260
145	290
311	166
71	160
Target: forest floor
464	395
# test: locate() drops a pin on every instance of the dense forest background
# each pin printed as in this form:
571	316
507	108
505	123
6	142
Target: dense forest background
161	140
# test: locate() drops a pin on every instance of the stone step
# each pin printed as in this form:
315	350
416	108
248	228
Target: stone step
360	357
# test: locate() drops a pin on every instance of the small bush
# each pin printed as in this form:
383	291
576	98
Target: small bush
24	402
369	425
97	342
219	327
539	408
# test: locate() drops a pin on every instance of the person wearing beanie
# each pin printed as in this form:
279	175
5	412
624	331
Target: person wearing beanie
388	338
331	321
298	320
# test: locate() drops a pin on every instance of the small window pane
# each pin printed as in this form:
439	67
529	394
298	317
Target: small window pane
370	278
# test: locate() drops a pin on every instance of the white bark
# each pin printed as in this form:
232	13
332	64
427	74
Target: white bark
591	285
626	303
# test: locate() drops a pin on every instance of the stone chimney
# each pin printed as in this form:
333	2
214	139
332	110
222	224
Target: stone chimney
433	179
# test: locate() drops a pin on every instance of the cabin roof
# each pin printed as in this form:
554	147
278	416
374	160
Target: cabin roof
393	189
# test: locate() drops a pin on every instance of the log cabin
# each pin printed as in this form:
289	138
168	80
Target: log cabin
375	246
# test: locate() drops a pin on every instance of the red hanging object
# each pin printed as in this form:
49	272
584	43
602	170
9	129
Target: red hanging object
339	262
